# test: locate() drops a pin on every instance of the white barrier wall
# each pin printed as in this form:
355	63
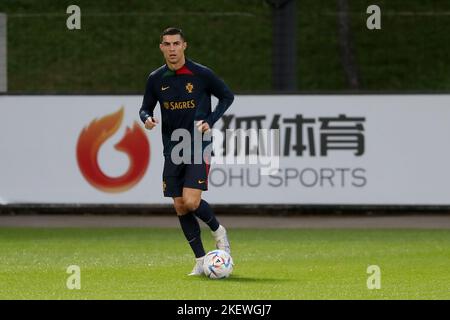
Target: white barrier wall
365	149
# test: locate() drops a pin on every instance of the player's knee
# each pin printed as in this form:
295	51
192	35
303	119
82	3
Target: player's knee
191	203
180	207
181	210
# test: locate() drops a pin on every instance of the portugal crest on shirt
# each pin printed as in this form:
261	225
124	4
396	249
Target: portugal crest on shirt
189	87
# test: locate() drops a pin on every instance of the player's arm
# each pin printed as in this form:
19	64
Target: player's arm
148	105
220	90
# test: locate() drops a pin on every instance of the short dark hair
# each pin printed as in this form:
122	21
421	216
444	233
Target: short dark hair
172	31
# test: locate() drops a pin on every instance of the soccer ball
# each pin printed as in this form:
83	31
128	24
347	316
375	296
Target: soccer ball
218	264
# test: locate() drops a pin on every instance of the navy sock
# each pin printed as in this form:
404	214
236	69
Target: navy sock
191	230
205	213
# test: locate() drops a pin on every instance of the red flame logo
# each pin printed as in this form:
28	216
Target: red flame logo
134	143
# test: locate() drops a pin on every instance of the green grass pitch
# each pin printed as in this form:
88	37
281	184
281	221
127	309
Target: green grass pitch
146	263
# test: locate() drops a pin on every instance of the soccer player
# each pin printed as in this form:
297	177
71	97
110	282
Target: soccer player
183	89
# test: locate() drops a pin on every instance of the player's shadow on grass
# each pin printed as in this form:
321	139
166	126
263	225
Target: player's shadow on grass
238	278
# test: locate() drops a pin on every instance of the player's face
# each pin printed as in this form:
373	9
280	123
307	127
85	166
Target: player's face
172	47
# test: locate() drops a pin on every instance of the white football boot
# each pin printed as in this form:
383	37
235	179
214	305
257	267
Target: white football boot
222	243
198	268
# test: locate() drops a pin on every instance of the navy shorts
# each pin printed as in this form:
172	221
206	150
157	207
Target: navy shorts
179	176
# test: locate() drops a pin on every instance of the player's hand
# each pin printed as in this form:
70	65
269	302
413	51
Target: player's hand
202	126
150	123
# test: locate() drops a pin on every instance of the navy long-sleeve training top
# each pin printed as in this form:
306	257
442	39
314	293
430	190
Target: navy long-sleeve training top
184	96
